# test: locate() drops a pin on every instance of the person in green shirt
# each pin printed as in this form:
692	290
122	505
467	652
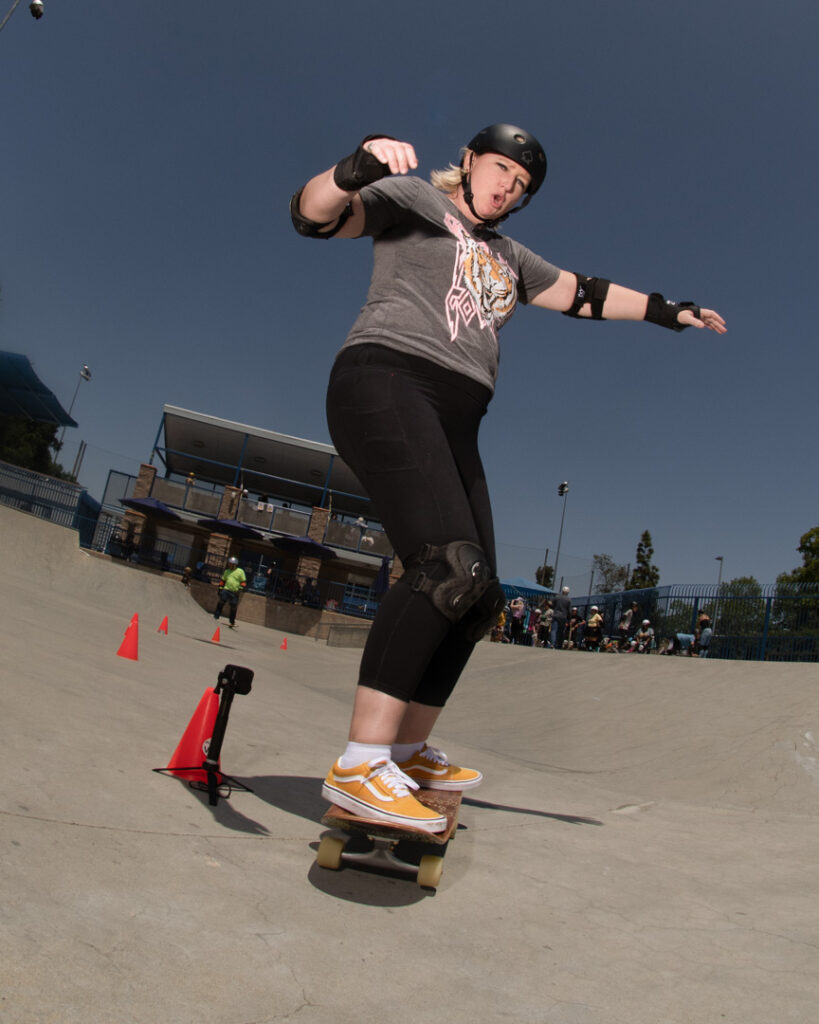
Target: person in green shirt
232	584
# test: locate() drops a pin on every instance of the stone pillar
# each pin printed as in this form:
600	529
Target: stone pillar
310	567
230	503
318	524
218	550
145	481
132	525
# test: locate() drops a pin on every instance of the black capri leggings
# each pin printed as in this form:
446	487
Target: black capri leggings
408	429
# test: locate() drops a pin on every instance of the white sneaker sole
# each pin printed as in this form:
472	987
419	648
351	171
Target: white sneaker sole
365	810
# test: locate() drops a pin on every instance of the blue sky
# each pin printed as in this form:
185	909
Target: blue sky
150	149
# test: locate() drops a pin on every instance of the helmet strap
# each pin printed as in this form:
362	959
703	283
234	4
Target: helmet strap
469	198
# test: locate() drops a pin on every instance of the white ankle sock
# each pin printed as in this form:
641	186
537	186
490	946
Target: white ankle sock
358	753
404	751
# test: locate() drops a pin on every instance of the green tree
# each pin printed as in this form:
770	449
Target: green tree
739	609
31	445
808	571
680	615
608	575
545	575
644	575
794	613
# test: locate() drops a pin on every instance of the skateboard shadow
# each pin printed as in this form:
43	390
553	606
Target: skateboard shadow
569	819
366	887
301	796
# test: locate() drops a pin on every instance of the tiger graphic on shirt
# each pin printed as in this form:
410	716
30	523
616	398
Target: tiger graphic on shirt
483	284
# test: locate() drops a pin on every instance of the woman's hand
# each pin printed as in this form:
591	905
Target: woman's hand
708	318
398	156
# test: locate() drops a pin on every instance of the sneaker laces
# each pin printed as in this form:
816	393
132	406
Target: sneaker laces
393	778
435	755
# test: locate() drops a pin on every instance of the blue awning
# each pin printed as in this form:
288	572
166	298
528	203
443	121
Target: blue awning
517	586
23	394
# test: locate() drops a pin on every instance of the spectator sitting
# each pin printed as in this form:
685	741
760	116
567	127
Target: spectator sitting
643	639
703	641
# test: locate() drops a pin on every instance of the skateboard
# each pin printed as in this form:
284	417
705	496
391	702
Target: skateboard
395	848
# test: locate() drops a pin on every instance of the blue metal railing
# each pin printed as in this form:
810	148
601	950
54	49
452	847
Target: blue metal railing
773	622
765	622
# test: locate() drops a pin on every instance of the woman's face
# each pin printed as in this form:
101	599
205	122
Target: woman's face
498	184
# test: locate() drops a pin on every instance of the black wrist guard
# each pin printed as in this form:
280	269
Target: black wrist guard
360	168
592	290
664	312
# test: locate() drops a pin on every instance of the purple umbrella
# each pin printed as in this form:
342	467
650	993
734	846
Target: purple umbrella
150	507
231	527
304	546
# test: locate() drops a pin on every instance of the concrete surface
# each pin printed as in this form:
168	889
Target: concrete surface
643	850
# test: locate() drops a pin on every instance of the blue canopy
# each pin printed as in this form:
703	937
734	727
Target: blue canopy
23	394
150	506
517	586
231	528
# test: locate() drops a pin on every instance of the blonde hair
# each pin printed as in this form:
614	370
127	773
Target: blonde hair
447	180
450	178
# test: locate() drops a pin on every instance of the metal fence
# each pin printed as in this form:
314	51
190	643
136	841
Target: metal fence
773	622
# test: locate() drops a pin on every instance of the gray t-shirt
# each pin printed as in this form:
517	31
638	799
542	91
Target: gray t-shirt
439	291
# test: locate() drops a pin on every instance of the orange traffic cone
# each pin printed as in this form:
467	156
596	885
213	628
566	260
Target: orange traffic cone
129	648
283	645
163	626
193	747
215	638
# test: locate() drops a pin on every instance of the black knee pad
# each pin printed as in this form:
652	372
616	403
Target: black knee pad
453	576
483	615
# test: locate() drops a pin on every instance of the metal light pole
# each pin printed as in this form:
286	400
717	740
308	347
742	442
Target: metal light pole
562	490
718	558
85	374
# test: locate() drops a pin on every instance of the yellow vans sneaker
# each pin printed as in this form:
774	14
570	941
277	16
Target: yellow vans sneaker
430	768
379	791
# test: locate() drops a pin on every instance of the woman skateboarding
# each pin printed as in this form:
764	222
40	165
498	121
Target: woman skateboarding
406	397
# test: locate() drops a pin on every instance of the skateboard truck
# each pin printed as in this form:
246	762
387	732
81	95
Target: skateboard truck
396	849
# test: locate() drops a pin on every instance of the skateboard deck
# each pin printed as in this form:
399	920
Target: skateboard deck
396	848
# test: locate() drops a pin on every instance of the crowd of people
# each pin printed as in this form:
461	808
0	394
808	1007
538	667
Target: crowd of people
558	624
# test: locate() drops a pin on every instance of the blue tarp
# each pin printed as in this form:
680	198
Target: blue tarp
517	586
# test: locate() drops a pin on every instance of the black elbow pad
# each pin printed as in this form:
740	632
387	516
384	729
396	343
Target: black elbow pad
592	290
312	228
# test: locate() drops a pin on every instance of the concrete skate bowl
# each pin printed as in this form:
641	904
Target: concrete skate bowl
640	729
647	729
48	558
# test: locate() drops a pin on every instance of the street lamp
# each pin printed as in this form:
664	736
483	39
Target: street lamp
718	558
85	374
562	490
36	8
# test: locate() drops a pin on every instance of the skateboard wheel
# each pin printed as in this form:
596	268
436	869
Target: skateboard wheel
429	871
329	853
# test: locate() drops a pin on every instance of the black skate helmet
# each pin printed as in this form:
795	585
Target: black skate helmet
517	144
